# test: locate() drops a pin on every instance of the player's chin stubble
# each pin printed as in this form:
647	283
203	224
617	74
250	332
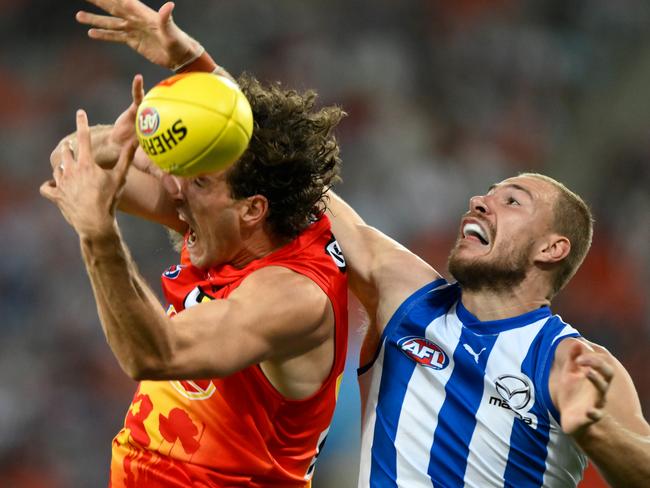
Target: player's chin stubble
501	274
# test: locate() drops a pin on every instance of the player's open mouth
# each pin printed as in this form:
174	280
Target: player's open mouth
191	238
473	230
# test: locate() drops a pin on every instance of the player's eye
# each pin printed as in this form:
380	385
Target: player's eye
512	201
199	181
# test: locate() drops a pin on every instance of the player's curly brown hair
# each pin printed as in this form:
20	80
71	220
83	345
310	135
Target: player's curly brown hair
293	156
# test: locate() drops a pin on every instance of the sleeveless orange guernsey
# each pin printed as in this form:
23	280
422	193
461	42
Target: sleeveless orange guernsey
239	430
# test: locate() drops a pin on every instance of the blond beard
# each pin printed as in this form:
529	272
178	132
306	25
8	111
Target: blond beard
499	275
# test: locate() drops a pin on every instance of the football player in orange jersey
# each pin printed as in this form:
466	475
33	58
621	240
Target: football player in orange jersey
239	377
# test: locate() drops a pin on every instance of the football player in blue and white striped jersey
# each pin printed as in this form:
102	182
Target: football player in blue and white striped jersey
477	383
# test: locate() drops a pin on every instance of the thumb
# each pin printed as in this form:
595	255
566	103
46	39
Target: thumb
49	190
137	90
125	159
575	352
165	16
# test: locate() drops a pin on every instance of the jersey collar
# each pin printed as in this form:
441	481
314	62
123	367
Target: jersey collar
496	326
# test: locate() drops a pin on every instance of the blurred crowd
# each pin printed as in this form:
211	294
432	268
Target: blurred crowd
444	98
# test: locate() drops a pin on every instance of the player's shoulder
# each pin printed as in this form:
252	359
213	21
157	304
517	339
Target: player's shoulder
289	304
401	274
281	283
566	345
427	288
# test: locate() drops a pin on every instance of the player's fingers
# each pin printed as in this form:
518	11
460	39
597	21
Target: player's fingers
598	380
595	414
67	157
597	362
165	16
605	369
108	35
125	159
601	385
57	174
137	89
55	156
106	5
49	190
84	151
100	21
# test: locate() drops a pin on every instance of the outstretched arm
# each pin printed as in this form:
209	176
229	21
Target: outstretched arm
382	272
152	34
600	409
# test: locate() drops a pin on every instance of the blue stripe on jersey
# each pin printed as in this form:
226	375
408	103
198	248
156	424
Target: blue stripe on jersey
393	386
457	417
383	470
528	447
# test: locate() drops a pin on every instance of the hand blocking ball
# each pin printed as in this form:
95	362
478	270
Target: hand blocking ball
194	123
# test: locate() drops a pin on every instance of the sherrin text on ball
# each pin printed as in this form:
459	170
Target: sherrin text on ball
194	123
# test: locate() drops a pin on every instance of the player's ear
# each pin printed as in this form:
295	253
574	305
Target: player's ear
553	249
254	210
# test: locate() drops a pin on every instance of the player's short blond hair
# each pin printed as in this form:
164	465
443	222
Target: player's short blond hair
572	218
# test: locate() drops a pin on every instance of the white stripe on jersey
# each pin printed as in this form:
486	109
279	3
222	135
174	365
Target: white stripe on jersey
488	468
559	450
369	383
422	402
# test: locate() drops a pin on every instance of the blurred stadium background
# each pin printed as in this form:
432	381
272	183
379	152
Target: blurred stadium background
444	98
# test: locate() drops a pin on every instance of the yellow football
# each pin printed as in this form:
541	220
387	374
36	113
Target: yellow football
194	123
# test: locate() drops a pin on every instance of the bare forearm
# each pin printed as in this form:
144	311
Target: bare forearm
144	196
133	320
104	153
622	455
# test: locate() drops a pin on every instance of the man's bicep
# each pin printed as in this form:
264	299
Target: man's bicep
623	401
274	313
398	274
292	306
382	272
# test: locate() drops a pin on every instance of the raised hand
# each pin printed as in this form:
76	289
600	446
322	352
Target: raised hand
152	34
582	385
124	130
124	126
85	193
107	140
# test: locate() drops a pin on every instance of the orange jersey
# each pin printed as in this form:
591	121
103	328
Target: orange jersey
239	430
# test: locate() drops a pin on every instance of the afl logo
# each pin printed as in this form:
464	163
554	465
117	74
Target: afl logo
173	271
148	121
424	352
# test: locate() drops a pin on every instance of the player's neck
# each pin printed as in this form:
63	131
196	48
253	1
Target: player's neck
502	304
255	246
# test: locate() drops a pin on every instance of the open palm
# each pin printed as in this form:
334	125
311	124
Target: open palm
582	388
152	34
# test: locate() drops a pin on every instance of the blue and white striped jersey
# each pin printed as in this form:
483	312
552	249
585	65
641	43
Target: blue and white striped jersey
449	401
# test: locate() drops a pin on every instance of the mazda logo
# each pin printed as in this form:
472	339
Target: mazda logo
515	390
